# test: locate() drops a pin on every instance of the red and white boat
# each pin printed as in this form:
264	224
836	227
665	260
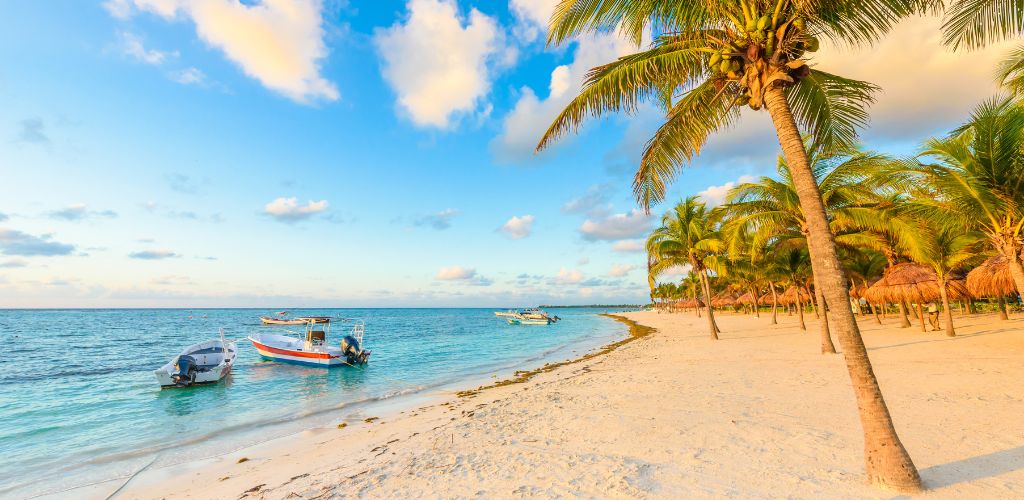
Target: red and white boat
312	349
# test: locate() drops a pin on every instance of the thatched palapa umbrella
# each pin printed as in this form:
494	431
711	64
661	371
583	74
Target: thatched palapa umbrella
791	294
912	282
723	299
991	279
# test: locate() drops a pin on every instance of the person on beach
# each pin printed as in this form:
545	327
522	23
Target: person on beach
933	316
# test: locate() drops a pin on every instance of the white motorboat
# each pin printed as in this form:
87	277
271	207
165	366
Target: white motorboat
506	314
312	348
202	363
528	321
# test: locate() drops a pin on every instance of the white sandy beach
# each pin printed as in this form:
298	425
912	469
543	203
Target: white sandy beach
674	414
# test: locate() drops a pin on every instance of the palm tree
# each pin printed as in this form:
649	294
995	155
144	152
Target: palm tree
692	286
973	24
770	208
952	248
885	227
864	266
976	177
687	237
720	56
793	264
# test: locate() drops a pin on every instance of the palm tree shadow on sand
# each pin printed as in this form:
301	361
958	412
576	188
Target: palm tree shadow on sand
946	339
974	468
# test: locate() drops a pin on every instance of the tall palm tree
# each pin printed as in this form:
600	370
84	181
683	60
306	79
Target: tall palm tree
687	237
793	264
770	208
863	266
952	247
886	228
976	177
713	58
692	285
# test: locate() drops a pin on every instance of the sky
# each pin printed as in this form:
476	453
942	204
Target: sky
331	153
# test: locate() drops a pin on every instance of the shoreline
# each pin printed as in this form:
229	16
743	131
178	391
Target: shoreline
758	413
386	408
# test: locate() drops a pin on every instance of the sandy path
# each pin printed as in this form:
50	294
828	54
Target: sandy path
758	413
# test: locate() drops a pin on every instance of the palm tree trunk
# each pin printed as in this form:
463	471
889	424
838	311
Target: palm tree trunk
920	314
948	313
755	305
887	462
775	304
904	320
874	312
712	326
800	310
1002	308
812	298
827	347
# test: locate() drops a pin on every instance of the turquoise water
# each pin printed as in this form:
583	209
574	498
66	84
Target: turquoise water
79	403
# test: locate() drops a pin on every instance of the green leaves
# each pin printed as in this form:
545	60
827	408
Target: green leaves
621	85
699	113
972	24
831	108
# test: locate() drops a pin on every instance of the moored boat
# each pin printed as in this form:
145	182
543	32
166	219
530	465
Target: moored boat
506	314
522	320
312	349
202	363
267	320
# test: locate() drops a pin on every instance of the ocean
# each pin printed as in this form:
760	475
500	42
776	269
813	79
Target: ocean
79	403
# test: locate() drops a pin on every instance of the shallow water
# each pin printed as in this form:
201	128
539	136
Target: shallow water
79	402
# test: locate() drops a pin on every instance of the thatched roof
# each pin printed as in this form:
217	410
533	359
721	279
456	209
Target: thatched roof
723	299
688	303
790	295
913	283
745	299
991	279
857	291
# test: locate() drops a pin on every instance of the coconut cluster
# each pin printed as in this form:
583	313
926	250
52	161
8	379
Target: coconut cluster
761	51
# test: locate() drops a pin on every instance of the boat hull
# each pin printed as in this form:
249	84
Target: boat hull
275	321
218	363
281	353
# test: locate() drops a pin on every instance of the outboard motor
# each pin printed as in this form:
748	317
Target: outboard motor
353	352
187	369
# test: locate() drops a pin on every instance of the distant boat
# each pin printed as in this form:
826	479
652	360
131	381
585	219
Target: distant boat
539	314
506	314
315	319
522	320
202	363
267	320
312	348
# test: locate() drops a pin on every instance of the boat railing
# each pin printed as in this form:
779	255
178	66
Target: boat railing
358	329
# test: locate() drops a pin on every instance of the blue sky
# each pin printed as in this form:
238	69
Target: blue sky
302	153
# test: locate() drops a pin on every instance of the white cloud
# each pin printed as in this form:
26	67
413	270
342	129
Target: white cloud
518	228
78	211
676	271
154	254
567	277
620	270
289	210
454	273
465	275
715	195
13	263
133	47
583	261
188	76
441	220
593	203
533	17
629	246
617	226
531	116
439	63
278	42
913	67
